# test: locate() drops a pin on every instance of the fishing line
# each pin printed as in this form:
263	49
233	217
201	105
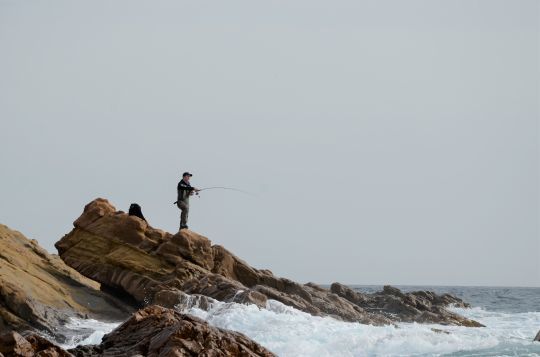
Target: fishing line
226	188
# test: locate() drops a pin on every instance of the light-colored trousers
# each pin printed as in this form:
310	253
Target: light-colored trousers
184	207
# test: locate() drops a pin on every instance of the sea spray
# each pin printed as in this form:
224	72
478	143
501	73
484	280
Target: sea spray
87	332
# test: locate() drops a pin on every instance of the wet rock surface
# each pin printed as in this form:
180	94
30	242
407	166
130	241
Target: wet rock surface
416	306
128	256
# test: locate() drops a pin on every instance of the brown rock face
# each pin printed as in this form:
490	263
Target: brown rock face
38	290
14	345
158	331
125	254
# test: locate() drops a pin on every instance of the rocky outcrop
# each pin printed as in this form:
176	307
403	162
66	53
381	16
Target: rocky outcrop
39	291
158	331
152	331
537	338
416	306
130	257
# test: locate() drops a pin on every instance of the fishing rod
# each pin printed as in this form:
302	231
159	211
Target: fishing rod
222	188
226	188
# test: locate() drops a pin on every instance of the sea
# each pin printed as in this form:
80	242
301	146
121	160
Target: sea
511	316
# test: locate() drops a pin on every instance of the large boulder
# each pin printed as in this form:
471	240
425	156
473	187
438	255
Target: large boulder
128	256
12	344
158	331
39	291
152	331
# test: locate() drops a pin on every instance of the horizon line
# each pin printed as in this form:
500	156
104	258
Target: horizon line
440	285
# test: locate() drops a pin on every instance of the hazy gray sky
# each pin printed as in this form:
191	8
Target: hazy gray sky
387	141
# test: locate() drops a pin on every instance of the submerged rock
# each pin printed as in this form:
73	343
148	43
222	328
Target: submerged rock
39	291
128	256
158	331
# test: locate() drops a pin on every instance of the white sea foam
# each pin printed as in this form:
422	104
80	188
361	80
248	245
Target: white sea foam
289	332
87	332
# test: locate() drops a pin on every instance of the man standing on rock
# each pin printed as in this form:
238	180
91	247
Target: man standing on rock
184	190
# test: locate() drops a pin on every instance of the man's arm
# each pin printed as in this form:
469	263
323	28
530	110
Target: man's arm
182	186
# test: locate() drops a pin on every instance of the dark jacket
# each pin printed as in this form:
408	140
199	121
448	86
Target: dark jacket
184	190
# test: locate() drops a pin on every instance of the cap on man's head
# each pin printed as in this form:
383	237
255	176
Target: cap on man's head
186	174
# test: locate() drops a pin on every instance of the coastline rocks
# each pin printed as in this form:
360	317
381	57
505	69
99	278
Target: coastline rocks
39	291
416	306
158	331
537	338
133	259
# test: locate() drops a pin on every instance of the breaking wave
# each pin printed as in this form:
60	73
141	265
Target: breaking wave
289	332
